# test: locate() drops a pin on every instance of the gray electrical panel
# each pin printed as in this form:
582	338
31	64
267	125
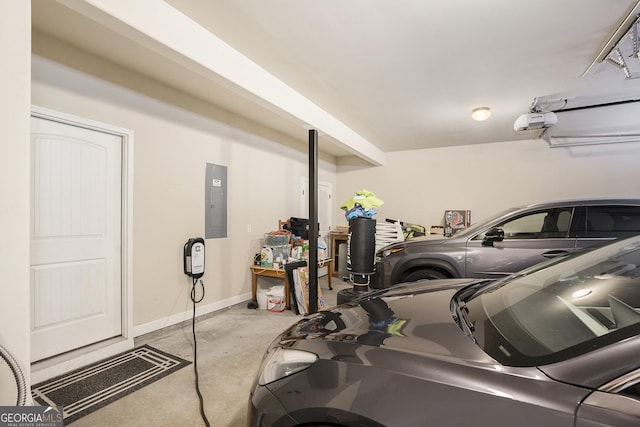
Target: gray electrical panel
215	214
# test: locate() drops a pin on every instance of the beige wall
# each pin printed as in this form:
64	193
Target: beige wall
14	190
417	186
172	144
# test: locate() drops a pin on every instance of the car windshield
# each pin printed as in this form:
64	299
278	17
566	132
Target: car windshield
562	308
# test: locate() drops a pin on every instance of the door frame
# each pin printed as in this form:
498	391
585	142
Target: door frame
57	365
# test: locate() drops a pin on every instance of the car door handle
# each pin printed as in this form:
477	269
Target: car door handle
554	253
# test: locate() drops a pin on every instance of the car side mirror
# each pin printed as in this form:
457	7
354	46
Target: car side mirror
496	234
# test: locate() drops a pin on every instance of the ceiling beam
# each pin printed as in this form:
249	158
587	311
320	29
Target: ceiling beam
158	26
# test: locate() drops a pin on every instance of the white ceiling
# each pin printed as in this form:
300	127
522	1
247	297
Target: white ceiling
401	74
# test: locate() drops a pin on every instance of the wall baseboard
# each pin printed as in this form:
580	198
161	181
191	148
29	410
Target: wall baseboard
187	315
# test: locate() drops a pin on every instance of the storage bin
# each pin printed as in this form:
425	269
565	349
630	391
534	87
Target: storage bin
281	254
276	239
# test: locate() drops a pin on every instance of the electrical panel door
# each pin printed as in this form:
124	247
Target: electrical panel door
215	201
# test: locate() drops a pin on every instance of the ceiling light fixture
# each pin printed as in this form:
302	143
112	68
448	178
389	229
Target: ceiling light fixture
480	114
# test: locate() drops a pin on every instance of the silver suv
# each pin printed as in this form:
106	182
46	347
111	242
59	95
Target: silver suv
508	242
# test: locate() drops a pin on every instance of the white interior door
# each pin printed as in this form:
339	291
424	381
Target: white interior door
325	217
76	253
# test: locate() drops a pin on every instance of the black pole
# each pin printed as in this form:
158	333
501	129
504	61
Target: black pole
313	221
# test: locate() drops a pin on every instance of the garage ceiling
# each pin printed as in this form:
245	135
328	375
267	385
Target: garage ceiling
401	75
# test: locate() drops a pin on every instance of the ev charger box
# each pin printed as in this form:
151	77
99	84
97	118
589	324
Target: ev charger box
275	299
197	258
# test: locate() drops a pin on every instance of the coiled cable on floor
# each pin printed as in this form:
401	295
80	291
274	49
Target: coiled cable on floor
21	384
195	347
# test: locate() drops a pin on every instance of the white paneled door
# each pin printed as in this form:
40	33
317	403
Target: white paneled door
325	217
76	218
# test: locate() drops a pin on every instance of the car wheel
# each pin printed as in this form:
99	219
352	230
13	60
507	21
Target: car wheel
426	273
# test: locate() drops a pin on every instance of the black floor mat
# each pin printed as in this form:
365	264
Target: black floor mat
87	389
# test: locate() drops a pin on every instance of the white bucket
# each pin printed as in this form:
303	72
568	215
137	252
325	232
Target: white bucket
261	296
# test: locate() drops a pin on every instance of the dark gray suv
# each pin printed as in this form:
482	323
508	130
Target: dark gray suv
508	242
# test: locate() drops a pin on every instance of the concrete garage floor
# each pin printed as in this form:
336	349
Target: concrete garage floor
230	344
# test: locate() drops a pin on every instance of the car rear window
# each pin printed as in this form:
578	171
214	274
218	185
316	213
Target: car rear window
609	221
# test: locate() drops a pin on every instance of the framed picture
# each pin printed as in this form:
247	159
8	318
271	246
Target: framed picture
456	220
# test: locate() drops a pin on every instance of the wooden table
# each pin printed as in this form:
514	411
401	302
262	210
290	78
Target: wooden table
279	273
